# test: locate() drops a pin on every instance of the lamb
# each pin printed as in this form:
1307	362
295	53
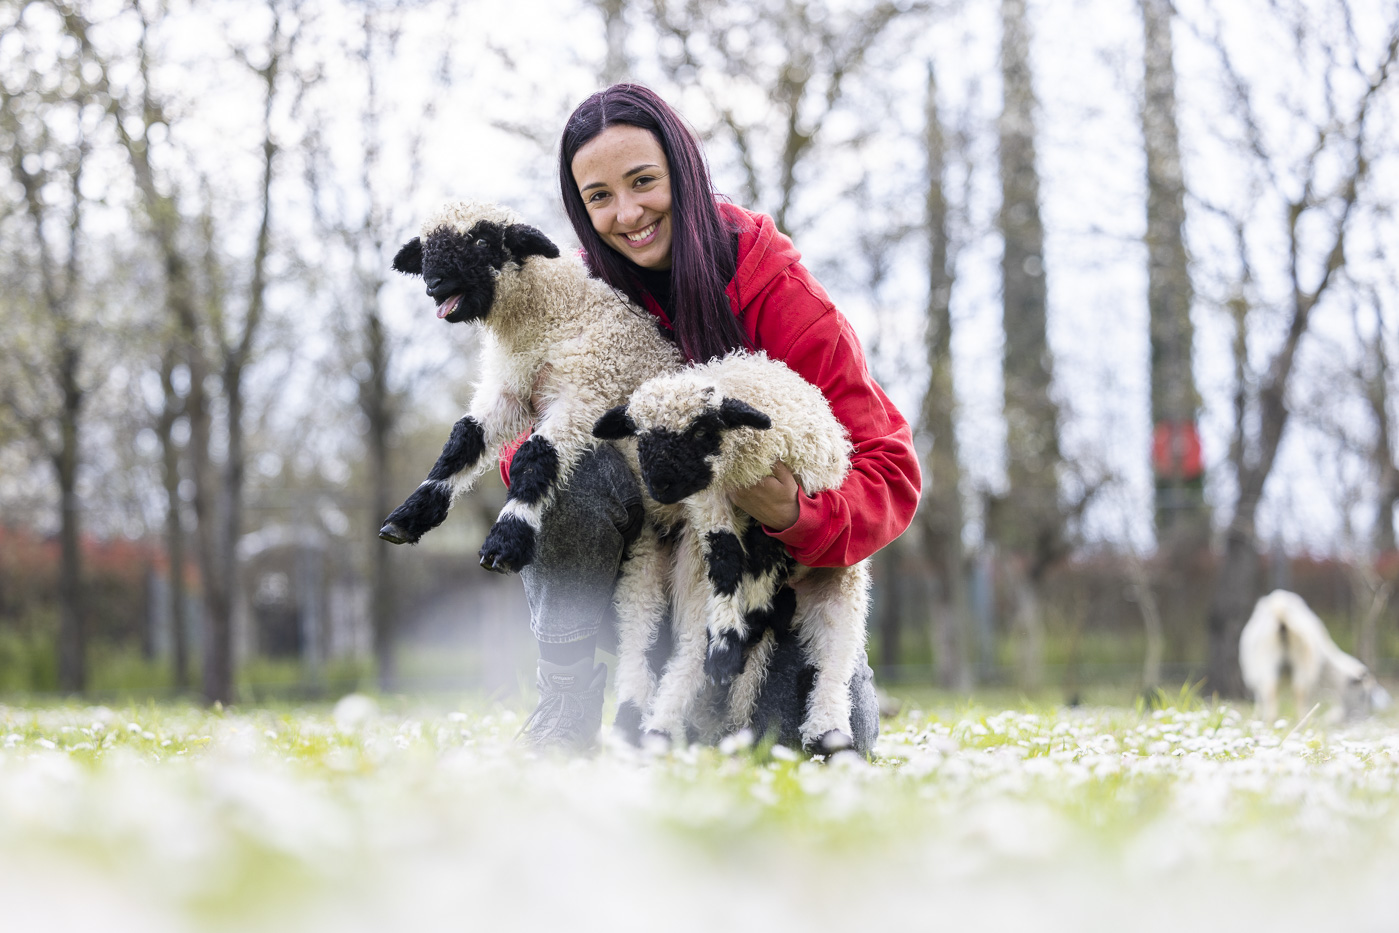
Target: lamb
721	426
560	348
1283	632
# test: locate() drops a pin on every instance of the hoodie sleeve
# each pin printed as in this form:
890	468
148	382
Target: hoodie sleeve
841	527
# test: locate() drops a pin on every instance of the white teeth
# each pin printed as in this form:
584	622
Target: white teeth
641	234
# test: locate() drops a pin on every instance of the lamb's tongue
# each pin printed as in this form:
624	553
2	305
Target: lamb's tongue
448	306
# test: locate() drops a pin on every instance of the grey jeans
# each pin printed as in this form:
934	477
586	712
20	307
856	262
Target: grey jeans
583	537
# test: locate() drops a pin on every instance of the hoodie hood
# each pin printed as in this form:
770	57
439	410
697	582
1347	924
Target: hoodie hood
764	253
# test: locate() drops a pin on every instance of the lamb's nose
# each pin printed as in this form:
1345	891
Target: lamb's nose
433	282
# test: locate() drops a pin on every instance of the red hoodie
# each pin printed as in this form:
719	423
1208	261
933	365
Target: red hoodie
787	314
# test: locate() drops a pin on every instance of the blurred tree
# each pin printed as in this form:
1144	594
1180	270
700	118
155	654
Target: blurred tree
171	411
1182	518
1378	375
1366	553
48	118
359	208
940	520
1318	192
796	57
617	66
1027	523
216	338
1375	589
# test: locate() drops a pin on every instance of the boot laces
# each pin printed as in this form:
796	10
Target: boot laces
556	717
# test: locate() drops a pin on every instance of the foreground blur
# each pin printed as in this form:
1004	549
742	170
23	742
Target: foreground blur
163	819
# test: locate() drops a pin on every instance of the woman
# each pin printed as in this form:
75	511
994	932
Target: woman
717	278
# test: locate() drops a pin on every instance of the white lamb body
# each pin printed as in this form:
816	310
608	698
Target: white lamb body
560	349
1284	633
701	433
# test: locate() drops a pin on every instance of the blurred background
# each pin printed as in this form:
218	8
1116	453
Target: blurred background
1128	268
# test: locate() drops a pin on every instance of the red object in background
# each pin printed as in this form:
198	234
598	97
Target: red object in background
1175	450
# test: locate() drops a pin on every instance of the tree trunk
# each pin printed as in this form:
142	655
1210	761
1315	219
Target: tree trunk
1151	622
174	526
1386	468
72	641
940	517
376	405
217	671
1237	586
892	606
1182	519
1235	591
1028	524
1028	626
1031	415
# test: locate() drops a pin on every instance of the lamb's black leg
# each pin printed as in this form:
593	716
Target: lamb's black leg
427	507
627	725
510	545
724	563
726	655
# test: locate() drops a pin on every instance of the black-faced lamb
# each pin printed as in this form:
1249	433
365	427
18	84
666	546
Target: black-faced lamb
560	349
1284	634
720	426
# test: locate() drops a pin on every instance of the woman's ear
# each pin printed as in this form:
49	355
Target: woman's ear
614	424
523	241
410	258
737	414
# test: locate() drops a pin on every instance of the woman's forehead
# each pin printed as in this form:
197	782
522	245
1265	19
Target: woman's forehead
616	152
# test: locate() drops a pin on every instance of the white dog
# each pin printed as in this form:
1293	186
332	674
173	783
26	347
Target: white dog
1283	634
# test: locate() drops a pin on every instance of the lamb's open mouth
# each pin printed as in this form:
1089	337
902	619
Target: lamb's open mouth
449	305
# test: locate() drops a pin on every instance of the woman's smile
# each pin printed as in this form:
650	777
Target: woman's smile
642	237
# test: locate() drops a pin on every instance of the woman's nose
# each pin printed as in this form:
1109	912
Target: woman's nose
629	211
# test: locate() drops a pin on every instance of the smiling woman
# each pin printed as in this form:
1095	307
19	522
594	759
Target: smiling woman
716	278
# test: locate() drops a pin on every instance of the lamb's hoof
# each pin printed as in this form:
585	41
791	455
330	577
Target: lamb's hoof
725	658
828	743
509	546
490	563
627	725
395	535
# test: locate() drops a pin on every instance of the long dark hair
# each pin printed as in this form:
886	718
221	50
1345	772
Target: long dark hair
702	259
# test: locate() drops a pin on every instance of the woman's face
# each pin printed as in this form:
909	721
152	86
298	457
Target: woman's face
624	181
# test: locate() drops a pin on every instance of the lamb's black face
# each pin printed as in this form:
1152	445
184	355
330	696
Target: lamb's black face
676	465
460	269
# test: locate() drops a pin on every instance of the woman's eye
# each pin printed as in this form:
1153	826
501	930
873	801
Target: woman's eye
596	196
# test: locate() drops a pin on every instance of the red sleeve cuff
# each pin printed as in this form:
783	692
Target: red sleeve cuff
811	519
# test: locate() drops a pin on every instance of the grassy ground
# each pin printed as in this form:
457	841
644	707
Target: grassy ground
973	816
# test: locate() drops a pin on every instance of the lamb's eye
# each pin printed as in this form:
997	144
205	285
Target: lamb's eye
481	243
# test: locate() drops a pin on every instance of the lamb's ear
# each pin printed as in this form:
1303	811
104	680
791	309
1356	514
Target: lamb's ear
615	424
524	241
736	414
410	258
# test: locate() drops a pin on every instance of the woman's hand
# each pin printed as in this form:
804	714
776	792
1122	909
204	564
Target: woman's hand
773	500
